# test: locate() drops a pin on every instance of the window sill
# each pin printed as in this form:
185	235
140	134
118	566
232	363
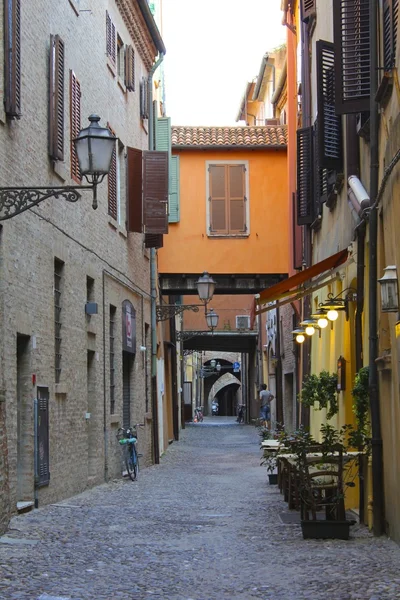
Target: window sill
60	169
111	67
121	85
233	236
74	6
116	227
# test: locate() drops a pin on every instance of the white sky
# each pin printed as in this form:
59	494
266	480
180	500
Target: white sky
213	48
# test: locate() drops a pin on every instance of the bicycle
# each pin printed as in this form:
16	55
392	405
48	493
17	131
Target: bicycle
127	438
198	414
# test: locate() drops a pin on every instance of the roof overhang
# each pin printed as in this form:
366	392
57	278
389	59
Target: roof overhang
301	284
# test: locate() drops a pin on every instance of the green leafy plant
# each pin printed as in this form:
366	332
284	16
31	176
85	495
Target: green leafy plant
361	437
321	388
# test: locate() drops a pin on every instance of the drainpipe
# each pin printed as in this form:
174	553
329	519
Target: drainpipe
377	455
153	284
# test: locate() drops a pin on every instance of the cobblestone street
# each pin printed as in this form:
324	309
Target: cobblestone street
203	525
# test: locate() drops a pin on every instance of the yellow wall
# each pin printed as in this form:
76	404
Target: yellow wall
188	249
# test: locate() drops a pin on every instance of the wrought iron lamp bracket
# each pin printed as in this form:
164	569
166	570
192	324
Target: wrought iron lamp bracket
181	336
340	303
166	311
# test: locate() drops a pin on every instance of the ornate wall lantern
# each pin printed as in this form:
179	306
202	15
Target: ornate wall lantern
389	289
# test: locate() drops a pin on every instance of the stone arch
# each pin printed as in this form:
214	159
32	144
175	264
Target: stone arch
222	382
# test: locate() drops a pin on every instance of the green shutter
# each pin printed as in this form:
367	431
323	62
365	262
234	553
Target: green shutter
163	134
173	216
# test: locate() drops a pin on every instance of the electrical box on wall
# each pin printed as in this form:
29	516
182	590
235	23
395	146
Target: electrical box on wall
91	308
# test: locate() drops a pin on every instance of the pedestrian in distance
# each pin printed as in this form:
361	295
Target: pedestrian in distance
266	398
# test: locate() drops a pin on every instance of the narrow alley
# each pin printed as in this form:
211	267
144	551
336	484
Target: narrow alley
202	525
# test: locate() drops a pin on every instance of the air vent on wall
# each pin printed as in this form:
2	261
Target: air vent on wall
242	322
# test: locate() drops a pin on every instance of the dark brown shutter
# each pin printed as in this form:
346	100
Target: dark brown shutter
12	59
305	191
297	237
110	39
112	182
153	240
130	68
236	195
307	9
134	167
155	191
56	100
43	454
75	108
218	199
329	123
390	20
352	59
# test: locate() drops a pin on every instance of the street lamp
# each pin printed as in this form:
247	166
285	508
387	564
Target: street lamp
299	333
212	319
321	316
389	289
205	288
94	148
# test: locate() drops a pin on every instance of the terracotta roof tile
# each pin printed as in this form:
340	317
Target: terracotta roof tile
206	137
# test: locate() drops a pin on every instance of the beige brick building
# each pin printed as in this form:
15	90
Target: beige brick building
87	373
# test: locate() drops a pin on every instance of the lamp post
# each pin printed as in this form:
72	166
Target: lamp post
205	288
212	319
389	289
94	148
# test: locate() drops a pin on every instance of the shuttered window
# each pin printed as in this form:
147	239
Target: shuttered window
56	99
130	68
329	135
75	119
134	159
305	186
352	55
153	240
112	182
390	21
144	99
12	51
110	40
174	191
227	199
155	192
308	9
43	437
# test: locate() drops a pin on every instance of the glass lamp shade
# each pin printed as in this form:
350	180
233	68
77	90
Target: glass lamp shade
212	319
310	330
389	290
309	325
94	148
300	338
299	333
213	362
322	322
332	314
205	287
218	367
320	316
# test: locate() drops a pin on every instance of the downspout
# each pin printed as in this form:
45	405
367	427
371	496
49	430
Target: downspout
377	454
153	283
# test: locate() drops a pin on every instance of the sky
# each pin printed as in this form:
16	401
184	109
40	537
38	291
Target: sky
214	47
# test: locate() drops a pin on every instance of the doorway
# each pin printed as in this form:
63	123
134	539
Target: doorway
127	369
25	439
91	409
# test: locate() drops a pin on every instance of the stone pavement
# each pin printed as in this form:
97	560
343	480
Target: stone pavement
202	525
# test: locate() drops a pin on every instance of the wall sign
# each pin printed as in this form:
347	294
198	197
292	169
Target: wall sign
128	327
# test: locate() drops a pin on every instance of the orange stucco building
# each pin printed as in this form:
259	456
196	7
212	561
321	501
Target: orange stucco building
233	202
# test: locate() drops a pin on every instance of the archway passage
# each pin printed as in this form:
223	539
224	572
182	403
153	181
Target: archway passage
227	390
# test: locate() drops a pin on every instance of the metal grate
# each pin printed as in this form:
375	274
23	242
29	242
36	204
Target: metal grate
113	311
58	274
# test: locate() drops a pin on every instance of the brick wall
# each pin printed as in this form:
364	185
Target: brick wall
89	243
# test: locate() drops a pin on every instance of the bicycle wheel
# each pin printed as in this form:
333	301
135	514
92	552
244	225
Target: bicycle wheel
132	463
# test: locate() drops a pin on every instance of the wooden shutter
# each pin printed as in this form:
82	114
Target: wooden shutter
153	240
236	198
110	39
218	199
12	51
329	141
134	167
352	55
174	191
43	453
75	108
155	191
308	9
112	182
390	20
144	99
297	237
56	100
305	191
130	68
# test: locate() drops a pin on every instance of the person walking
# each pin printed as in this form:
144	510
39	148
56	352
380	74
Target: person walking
265	406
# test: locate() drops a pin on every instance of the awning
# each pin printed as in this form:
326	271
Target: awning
290	286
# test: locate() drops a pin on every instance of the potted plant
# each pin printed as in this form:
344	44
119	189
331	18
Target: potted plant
269	461
321	389
322	481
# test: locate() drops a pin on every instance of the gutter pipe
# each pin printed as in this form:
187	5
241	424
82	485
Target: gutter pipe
153	284
377	451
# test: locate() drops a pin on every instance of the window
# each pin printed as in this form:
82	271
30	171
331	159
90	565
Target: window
305	195
75	107
120	59
56	98
58	285
390	19
110	39
113	312
89	289
12	51
112	183
227	206
308	9
144	99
